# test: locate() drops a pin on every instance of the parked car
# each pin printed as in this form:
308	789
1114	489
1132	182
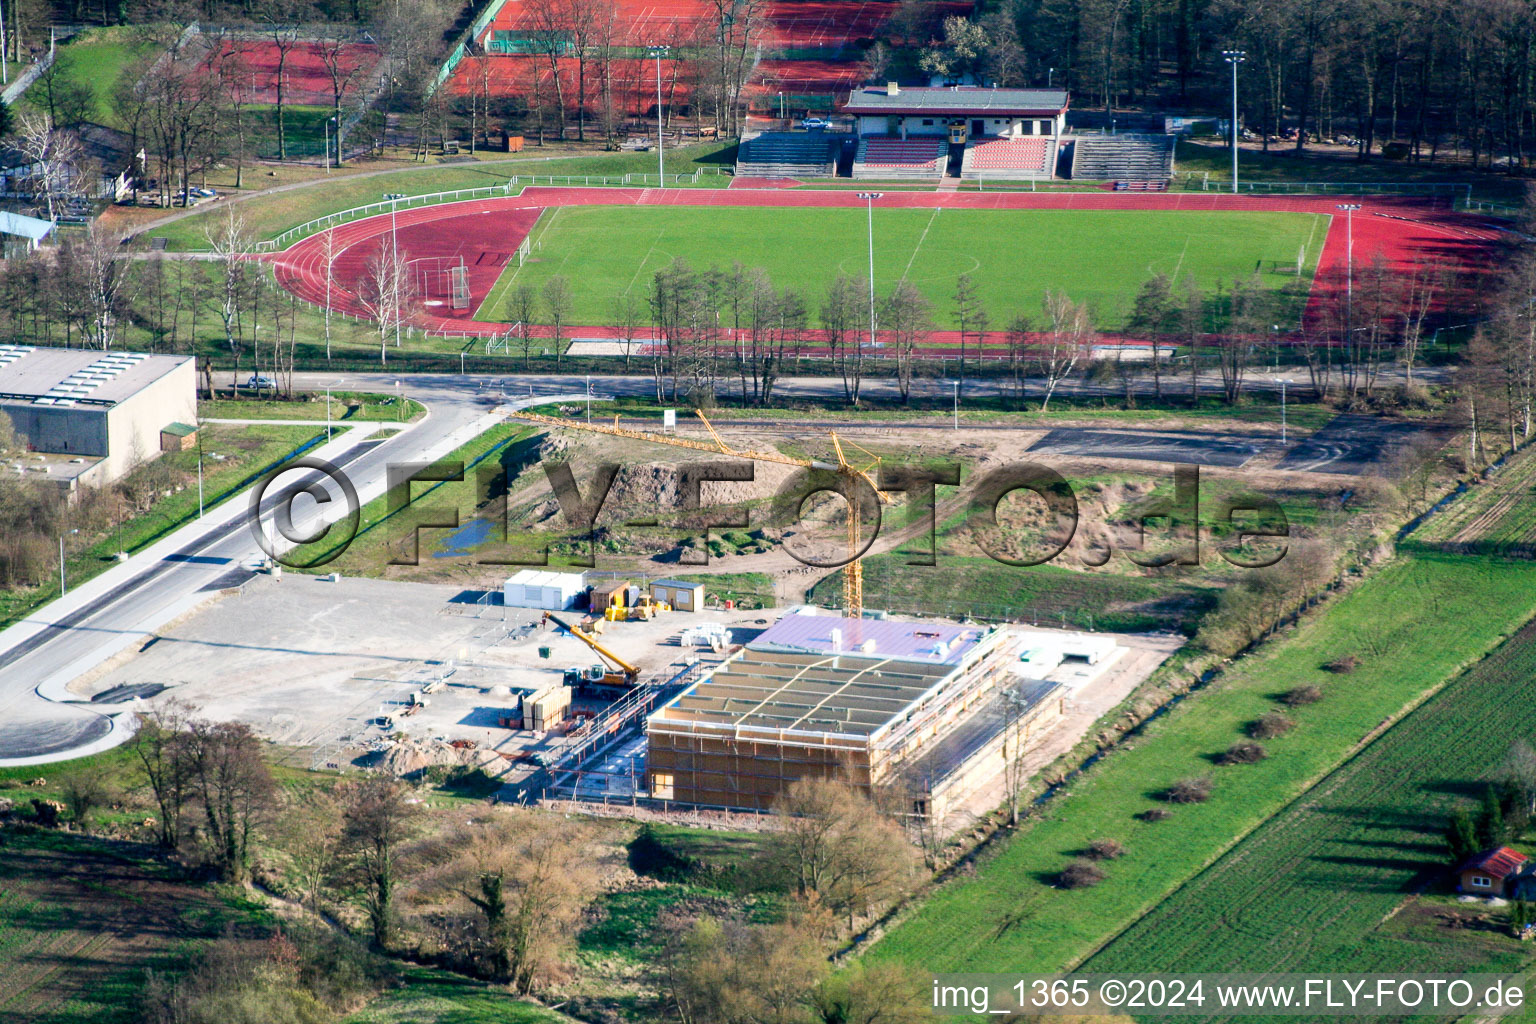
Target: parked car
815	123
205	193
260	382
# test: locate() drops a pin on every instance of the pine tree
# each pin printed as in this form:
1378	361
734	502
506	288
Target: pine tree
1460	837
1490	831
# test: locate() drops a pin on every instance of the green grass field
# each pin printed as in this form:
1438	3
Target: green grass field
1010	917
94	60
606	251
1316	887
1047	594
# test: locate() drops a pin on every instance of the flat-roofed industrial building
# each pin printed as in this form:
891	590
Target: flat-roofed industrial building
871	703
106	409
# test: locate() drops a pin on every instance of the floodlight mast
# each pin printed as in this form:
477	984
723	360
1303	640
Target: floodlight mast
1234	57
1349	268
869	202
659	51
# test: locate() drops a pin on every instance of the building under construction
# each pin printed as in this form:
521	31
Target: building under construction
909	705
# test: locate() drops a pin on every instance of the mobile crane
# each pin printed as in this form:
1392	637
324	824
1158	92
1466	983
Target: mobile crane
622	675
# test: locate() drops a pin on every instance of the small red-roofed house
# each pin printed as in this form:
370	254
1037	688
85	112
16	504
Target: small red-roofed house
1488	873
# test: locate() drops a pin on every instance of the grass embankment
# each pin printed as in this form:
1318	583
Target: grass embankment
1495	517
1195	160
1257	409
277	213
1413	624
683	872
382	536
431	995
607	251
345	407
92	62
746	589
1047	595
233	456
1316	887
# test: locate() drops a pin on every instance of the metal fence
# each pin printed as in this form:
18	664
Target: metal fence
407	202
1454	188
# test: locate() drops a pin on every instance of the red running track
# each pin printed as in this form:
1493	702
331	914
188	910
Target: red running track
485	234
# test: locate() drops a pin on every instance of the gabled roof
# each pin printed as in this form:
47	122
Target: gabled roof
24	226
1498	863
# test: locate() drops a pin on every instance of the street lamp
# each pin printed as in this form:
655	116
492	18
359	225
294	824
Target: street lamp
956	384
661	174
869	205
1282	381
328	122
1234	57
1349	266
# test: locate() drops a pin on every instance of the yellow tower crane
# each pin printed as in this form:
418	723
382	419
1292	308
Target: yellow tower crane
853	574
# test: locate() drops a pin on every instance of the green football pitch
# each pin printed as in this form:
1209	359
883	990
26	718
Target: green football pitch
1012	255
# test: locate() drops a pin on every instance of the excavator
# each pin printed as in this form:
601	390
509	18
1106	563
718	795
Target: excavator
621	676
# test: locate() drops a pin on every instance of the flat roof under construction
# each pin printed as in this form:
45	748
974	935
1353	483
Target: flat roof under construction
933	643
847	694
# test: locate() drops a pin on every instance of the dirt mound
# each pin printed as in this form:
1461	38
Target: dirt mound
408	758
646	490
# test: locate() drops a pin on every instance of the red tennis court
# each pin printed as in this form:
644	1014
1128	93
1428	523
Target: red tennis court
305	76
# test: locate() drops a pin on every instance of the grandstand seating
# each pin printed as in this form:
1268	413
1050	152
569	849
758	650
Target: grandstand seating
788	155
883	157
997	157
1123	157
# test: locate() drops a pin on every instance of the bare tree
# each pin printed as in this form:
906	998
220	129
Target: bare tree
843	316
377	819
234	789
834	844
628	315
523	304
524	876
1065	341
102	277
558	302
54	157
310	836
330	249
970	316
345	71
387	292
229	241
907	321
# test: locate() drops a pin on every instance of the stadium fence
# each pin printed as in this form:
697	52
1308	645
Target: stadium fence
405	202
